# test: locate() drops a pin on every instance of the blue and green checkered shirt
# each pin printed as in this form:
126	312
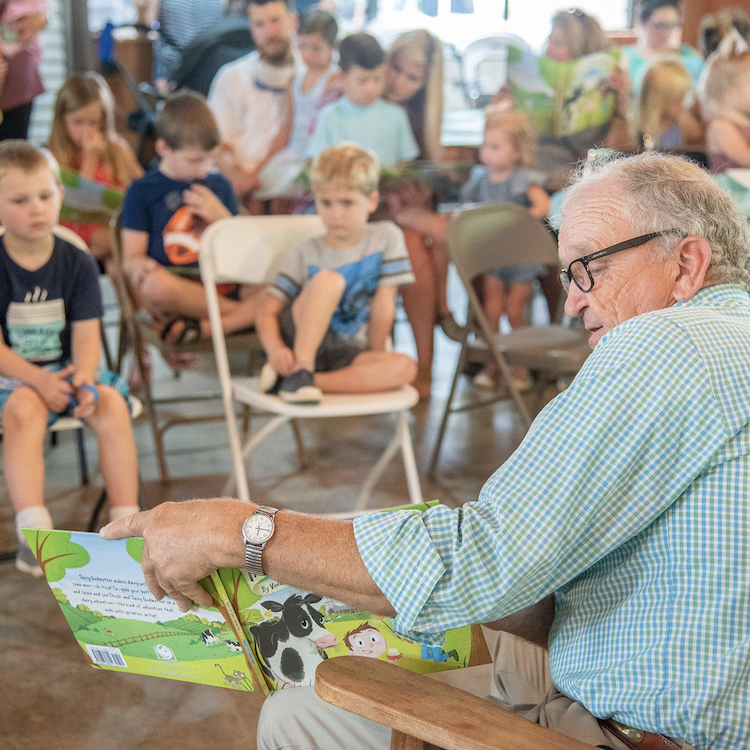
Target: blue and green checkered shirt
629	498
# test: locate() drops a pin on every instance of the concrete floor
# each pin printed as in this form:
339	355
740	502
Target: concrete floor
48	694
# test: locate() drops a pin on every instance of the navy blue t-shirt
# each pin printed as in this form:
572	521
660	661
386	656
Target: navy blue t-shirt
153	204
38	307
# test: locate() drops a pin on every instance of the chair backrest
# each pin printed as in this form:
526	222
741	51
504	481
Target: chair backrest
484	64
487	236
250	249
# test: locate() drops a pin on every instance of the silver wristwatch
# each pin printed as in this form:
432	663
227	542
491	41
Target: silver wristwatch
256	531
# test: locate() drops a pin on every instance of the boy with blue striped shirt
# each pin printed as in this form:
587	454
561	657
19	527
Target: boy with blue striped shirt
327	317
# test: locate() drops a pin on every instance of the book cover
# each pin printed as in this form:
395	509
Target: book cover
259	636
562	98
87	201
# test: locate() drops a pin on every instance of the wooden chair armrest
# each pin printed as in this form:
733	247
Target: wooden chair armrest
436	714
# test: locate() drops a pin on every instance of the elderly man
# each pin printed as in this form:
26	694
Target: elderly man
629	500
247	95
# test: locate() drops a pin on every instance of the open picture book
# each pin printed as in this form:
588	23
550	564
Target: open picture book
562	98
259	636
86	201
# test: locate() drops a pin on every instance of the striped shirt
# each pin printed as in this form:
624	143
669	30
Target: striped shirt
379	259
629	498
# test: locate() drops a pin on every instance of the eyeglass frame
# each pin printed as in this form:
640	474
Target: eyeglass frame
566	277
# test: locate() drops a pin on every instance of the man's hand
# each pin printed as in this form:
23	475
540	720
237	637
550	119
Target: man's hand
185	542
54	388
203	202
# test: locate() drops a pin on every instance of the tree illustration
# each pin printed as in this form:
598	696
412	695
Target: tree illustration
55	553
134	548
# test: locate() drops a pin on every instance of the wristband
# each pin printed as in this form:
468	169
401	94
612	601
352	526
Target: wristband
88	387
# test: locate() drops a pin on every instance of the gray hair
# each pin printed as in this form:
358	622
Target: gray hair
665	192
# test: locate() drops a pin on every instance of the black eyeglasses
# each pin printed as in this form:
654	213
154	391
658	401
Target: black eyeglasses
579	272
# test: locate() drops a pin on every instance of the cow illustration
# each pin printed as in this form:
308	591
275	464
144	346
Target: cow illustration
208	637
291	647
234	646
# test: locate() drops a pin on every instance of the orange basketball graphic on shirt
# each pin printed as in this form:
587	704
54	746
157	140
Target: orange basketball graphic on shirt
182	237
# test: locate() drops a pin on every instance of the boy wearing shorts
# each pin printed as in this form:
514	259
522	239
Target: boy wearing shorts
326	320
49	354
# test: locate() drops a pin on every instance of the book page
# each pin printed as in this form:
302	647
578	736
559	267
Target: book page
121	627
562	98
292	631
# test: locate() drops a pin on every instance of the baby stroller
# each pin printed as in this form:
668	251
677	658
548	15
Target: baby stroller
201	59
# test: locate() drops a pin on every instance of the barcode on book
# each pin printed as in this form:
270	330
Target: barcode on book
106	656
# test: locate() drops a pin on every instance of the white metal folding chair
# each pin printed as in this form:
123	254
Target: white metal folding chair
248	249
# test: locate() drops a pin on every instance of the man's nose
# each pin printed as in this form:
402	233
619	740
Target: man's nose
575	301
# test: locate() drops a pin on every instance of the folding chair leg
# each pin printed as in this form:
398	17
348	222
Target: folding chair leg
444	421
82	465
105	346
239	458
410	462
376	471
301	452
97	510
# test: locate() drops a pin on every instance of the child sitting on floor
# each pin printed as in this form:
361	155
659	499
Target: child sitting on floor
49	354
83	138
361	116
727	104
163	217
506	152
326	320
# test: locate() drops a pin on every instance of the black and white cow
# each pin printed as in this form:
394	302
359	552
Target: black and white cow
292	646
208	637
234	645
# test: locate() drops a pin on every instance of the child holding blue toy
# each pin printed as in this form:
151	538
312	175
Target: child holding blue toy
49	354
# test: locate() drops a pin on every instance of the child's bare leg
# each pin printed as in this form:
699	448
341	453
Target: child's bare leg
167	295
370	372
493	302
312	312
243	314
117	456
25	418
440	262
419	305
519	296
493	294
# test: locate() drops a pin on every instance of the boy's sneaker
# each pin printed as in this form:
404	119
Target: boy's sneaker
269	380
300	388
26	562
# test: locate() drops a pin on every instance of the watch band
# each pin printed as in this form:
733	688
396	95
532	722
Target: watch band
253	550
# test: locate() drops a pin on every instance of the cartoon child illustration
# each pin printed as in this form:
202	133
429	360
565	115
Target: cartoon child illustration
365	641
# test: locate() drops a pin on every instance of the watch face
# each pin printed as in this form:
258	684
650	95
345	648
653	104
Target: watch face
258	528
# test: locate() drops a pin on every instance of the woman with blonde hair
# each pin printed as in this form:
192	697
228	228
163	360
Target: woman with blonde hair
414	80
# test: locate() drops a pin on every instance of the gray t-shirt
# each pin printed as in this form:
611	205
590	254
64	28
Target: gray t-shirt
479	188
379	259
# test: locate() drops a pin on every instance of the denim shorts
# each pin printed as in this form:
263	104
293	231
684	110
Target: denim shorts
334	353
105	377
518	274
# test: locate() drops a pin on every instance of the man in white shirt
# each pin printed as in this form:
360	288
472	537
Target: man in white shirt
247	95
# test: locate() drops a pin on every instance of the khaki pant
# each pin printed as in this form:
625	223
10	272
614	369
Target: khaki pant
298	719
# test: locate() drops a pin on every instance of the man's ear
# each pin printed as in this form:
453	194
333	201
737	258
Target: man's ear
694	256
